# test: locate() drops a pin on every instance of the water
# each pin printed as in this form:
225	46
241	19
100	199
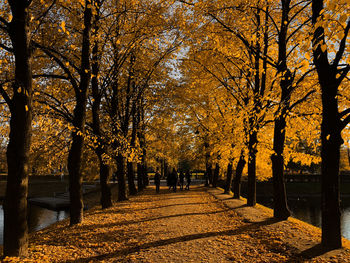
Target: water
38	218
308	210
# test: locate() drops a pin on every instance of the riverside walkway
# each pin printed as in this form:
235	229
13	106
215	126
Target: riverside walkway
200	225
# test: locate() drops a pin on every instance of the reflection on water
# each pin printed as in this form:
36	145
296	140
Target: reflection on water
38	218
309	210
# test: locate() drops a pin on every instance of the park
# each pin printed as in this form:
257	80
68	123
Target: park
175	131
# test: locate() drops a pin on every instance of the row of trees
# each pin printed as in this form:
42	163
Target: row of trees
78	78
226	83
267	78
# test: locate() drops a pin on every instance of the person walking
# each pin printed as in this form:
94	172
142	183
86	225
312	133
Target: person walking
157	180
168	179
181	180
188	180
174	179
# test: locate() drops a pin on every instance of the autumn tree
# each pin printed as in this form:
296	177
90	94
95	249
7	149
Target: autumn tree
76	71
331	29
19	100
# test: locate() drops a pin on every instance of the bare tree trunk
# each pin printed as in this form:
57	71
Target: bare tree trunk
280	209
216	175
105	174
75	152
330	77
105	169
15	203
121	178
252	151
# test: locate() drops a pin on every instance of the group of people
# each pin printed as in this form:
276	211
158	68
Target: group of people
173	180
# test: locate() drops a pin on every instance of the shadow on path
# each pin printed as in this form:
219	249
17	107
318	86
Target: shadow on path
312	252
125	223
164	242
131	210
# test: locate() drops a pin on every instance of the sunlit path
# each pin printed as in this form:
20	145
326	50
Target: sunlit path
185	226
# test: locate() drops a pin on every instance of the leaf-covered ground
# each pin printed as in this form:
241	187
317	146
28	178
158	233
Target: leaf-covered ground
186	226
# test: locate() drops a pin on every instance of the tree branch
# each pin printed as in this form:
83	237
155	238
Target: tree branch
301	100
5	96
53	76
341	50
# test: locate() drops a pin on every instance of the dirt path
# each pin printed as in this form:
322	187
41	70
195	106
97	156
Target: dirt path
187	226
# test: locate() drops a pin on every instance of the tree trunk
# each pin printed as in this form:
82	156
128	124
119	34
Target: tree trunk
105	169
145	175
280	209
238	177
121	178
162	168
79	116
330	154
74	167
216	175
252	151
208	174
15	203
131	179
105	173
331	128
228	178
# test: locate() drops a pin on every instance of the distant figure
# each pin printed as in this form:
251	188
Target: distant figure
188	180
181	180
62	177
168	180
114	177
173	179
157	180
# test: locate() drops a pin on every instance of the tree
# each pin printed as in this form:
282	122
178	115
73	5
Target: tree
20	105
75	70
101	149
330	75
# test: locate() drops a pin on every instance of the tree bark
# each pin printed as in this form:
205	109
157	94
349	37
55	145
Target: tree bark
252	151
79	117
15	203
105	174
74	169
145	174
105	169
131	179
228	178
281	210
121	178
209	174
238	177
216	175
331	128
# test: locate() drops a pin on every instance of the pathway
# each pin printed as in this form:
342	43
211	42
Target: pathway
186	226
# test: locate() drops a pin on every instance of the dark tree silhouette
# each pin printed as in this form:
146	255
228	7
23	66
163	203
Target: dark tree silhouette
330	75
20	105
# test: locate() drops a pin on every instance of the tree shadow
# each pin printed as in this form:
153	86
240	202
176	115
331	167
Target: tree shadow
238	207
310	253
131	210
125	223
163	242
